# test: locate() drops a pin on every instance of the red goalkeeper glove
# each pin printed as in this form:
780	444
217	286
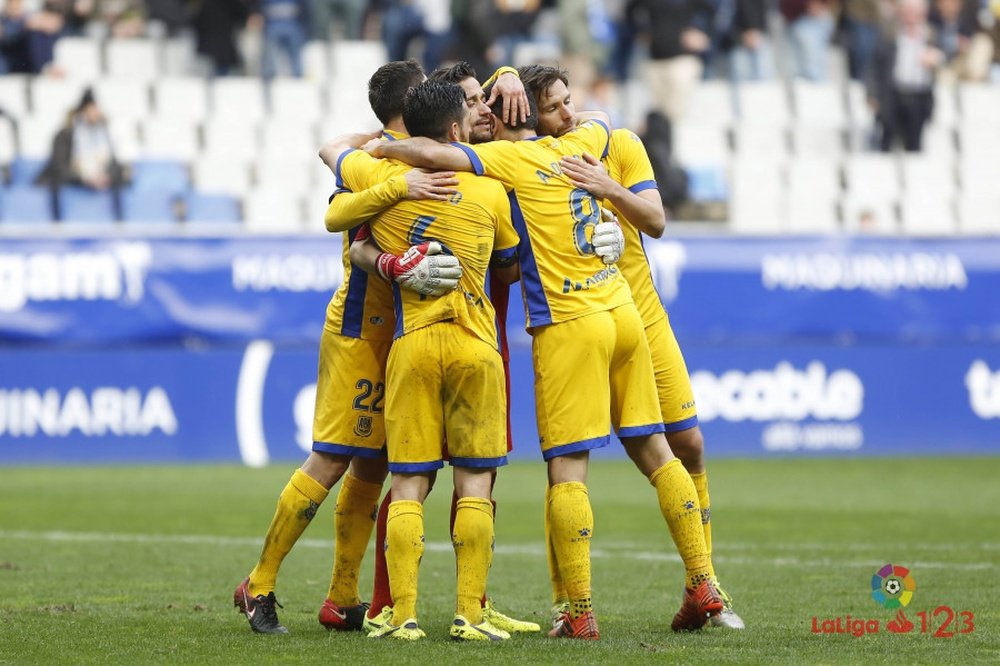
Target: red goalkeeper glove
424	268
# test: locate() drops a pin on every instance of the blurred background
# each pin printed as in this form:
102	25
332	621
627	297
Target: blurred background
831	170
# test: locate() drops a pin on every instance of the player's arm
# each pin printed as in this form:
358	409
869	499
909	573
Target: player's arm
348	209
422	152
504	266
334	150
584	116
643	209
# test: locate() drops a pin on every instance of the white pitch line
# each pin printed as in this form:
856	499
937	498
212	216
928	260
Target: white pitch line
616	551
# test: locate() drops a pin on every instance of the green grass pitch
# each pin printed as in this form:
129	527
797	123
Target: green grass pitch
138	565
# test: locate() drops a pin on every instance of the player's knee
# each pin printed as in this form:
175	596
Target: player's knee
649	453
370	470
326	468
689	446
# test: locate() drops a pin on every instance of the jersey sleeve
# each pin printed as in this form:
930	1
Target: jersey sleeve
636	169
496	159
349	208
592	137
506	238
497	74
357	170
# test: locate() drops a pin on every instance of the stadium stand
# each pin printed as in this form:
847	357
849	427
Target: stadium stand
780	154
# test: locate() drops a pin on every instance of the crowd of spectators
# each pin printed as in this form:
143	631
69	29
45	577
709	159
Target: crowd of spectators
595	38
898	50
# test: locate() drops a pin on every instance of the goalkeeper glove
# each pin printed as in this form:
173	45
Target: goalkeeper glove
608	239
423	268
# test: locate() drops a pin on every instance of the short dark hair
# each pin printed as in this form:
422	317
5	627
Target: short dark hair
540	77
389	84
531	122
431	107
457	73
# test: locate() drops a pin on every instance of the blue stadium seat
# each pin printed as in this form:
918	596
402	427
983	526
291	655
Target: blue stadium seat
707	183
24	171
79	204
26	204
149	205
212	208
163	175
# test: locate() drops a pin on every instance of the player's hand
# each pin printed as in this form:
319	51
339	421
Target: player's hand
589	174
434	185
515	99
373	147
608	239
424	268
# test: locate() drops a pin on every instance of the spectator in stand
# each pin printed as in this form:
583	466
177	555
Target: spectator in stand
125	18
993	22
28	38
83	156
475	36
862	22
348	14
901	86
678	36
284	24
740	47
586	37
406	20
216	23
958	36
173	14
623	50
810	28
12	18
514	21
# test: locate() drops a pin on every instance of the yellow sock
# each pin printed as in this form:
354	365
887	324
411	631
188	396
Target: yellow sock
473	542
297	505
353	520
701	485
558	589
679	506
404	540
572	524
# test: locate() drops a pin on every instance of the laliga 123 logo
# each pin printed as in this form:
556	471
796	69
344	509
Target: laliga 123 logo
892	586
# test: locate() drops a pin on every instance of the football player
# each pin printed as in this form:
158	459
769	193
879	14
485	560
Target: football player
623	182
445	377
348	427
347	211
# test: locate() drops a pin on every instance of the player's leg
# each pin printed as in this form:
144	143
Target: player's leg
472	536
415	428
349	419
357	504
571	422
635	413
474	407
296	506
684	436
381	604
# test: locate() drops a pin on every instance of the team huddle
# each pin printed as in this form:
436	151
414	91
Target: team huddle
465	191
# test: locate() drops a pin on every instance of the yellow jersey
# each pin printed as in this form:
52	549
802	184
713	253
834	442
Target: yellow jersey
561	277
627	163
474	225
362	306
